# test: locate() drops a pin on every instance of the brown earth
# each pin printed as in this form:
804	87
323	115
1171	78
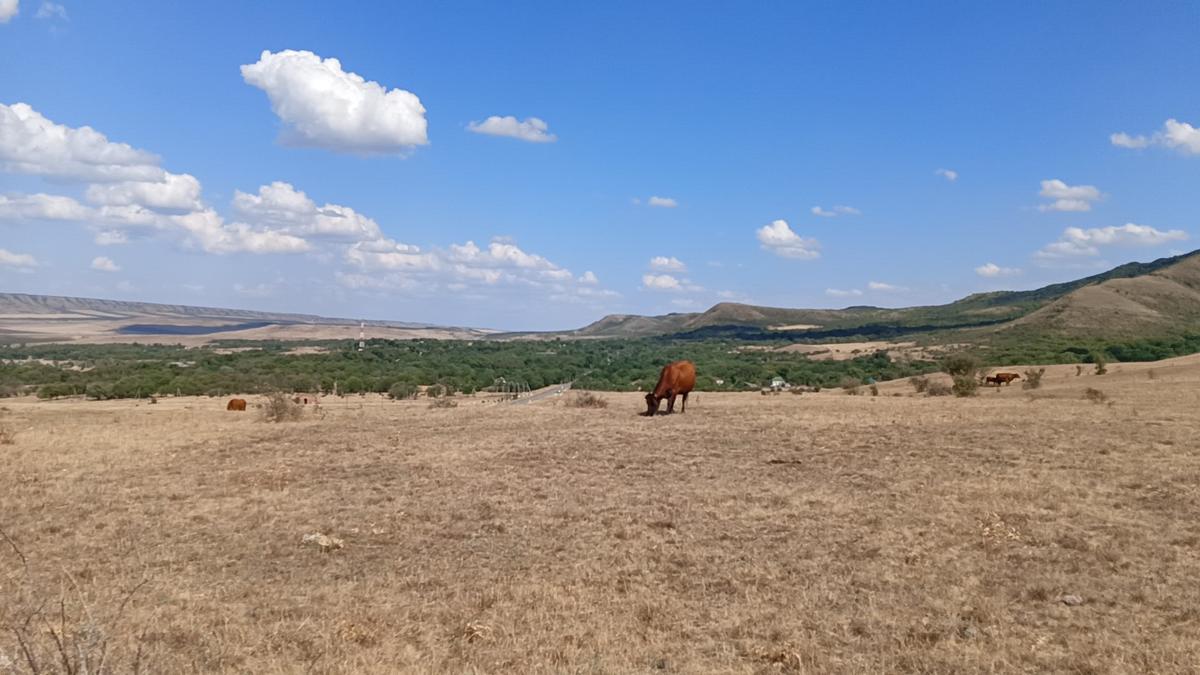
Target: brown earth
1018	531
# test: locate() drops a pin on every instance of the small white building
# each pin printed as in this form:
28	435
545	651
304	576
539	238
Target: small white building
779	384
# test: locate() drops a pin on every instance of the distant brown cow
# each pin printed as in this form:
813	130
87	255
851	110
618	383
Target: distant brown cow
236	404
676	379
1002	378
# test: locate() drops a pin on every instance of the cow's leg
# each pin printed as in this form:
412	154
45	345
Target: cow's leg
671	403
683	403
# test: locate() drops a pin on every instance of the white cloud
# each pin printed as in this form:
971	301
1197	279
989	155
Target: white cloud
9	9
1124	140
884	287
1076	241
179	192
111	237
32	144
779	239
51	10
326	107
283	207
532	129
256	291
835	211
41	207
209	231
843	293
662	202
669	264
589	278
1174	134
992	270
20	260
661	282
949	174
105	264
1068	197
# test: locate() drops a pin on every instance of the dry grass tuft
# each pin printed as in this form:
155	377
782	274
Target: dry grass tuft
1033	378
586	399
1094	395
7	435
442	403
279	407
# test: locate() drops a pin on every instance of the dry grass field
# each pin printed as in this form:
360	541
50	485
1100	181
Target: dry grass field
1018	531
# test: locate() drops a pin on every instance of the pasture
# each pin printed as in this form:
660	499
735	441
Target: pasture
1015	531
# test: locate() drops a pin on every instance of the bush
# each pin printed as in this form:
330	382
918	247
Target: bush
1094	395
98	391
965	385
938	389
851	385
436	390
1078	371
6	435
279	407
1033	378
402	390
919	383
1101	364
586	399
874	390
960	365
442	403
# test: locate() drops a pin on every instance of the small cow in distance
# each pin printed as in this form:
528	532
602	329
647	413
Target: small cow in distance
236	404
1002	378
676	379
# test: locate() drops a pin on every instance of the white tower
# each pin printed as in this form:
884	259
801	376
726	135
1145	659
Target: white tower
362	335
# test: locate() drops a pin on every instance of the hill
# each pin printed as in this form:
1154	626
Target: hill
50	318
1155	297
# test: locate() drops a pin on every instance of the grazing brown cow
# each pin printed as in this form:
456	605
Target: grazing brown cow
236	404
1001	378
676	379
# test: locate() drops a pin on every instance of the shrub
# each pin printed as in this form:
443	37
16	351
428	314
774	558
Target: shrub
874	390
586	399
6	435
280	408
402	390
851	385
919	383
960	365
1151	374
435	390
1094	395
1101	364
939	389
1078	371
98	391
1033	378
442	403
965	386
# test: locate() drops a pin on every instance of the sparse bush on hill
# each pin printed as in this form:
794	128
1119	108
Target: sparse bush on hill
936	388
1033	378
851	385
964	369
874	390
960	365
920	383
586	399
442	403
279	407
1094	395
402	390
1078	371
1101	363
965	386
436	391
7	437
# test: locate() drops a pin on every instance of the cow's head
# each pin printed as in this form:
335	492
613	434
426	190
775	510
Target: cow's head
651	404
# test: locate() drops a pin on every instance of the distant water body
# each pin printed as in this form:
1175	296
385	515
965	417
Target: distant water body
166	329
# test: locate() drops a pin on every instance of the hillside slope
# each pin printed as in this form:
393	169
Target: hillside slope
1163	302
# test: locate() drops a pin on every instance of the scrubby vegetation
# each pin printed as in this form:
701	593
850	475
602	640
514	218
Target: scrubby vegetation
401	368
1094	395
1033	378
964	369
586	399
279	407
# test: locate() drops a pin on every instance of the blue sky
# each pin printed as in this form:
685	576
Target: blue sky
232	163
